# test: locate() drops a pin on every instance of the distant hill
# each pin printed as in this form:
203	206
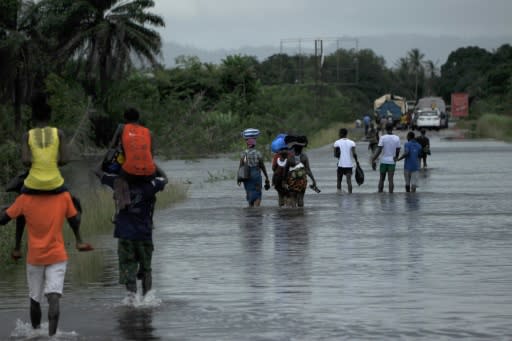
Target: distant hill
391	47
172	50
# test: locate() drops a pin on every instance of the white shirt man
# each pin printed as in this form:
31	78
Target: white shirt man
345	145
389	146
389	143
344	150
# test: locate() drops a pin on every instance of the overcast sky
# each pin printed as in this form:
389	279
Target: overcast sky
213	24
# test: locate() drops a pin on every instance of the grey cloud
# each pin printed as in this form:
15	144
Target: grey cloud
235	23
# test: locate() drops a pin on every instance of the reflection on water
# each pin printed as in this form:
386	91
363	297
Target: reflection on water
367	266
252	238
136	324
292	265
412	202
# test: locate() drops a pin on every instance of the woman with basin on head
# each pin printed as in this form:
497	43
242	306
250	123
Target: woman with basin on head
254	160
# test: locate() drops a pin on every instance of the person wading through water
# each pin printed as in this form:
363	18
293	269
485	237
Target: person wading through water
344	151
298	171
424	141
280	173
134	229
253	185
412	152
137	147
47	256
389	145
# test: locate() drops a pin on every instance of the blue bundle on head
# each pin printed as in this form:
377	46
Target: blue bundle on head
279	143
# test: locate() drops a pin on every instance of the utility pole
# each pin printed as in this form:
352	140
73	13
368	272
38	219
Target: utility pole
318	51
319	56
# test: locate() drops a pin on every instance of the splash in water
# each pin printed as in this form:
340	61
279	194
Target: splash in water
24	331
139	301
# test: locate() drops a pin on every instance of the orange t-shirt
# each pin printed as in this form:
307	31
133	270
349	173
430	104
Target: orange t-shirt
45	215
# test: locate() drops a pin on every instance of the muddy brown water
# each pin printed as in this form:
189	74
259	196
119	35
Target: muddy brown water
435	265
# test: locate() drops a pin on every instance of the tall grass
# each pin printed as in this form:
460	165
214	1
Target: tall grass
98	208
173	193
494	126
6	244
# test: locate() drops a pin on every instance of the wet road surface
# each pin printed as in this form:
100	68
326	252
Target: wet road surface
435	265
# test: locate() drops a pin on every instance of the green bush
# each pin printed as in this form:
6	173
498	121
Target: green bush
10	158
68	102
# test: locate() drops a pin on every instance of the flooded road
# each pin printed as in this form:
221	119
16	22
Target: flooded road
434	265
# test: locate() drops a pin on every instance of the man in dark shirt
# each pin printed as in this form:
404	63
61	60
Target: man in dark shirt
134	229
424	142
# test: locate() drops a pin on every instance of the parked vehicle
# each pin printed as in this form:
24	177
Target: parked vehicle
430	119
389	105
426	104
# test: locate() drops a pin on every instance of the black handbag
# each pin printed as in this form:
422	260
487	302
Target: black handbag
359	175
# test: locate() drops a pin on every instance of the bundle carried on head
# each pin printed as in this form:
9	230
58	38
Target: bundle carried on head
250	133
278	143
296	140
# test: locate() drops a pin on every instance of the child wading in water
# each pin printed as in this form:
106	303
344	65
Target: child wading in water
43	150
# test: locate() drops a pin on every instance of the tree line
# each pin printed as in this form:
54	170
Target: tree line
95	58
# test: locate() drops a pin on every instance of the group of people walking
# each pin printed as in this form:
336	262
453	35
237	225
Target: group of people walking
386	148
44	203
290	164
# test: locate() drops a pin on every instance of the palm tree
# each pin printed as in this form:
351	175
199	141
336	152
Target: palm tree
431	73
415	58
402	74
104	36
239	75
20	46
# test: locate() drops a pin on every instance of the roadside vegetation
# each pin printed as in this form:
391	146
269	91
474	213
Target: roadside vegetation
98	206
487	125
198	109
98	210
493	126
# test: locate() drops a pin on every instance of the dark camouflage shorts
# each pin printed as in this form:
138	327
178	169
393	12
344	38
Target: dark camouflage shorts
134	258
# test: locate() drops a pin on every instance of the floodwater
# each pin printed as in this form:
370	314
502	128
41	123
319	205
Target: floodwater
434	265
